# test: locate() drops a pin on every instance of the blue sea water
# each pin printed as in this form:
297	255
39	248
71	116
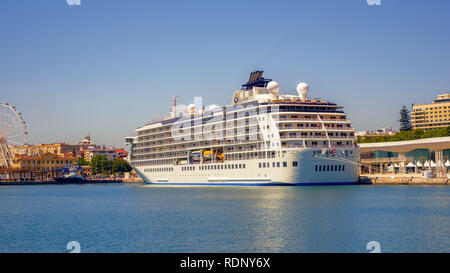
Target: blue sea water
145	218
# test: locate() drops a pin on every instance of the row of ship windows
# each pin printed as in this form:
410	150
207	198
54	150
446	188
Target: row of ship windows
190	121
241	130
329	168
231	116
222	167
276	164
202	168
308	117
152	170
317	168
215	167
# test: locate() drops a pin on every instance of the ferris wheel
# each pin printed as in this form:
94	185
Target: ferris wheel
13	131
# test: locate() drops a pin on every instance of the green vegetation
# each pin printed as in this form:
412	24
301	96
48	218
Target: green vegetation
405	119
81	161
101	165
98	164
120	166
407	135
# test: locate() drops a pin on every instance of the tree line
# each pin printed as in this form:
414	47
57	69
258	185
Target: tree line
407	135
406	131
100	164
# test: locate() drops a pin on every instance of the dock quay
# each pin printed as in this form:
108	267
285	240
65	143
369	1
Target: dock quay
410	162
402	180
53	182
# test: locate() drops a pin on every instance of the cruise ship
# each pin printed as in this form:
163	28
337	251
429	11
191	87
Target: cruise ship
261	138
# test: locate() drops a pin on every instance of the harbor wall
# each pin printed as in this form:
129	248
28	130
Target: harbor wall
402	180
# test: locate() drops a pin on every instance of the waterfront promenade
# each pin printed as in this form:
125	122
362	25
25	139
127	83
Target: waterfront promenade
53	182
401	180
89	181
421	161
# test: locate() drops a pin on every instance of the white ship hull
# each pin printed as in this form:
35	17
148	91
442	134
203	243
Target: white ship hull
262	138
310	170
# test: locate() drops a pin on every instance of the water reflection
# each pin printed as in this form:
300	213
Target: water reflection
134	218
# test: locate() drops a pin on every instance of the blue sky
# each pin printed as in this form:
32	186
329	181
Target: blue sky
108	66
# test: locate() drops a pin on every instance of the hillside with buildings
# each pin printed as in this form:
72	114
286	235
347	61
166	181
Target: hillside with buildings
47	161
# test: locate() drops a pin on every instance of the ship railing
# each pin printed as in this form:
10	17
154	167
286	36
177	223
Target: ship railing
293	146
299	119
332	128
300	128
156	151
309	120
326	146
244	150
195	145
302	137
334	136
331	119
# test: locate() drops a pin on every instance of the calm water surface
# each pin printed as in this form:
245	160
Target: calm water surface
138	218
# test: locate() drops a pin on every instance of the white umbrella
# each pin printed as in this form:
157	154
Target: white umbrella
427	164
419	164
396	165
410	164
447	163
390	166
433	164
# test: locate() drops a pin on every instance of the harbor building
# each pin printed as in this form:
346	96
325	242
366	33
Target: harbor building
433	115
58	148
88	149
429	157
121	153
40	149
111	153
38	167
86	143
85	148
44	162
379	132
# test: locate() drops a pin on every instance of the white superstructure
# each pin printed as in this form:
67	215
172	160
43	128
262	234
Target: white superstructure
262	138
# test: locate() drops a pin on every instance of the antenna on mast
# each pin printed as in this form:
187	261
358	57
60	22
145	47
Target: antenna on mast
173	107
